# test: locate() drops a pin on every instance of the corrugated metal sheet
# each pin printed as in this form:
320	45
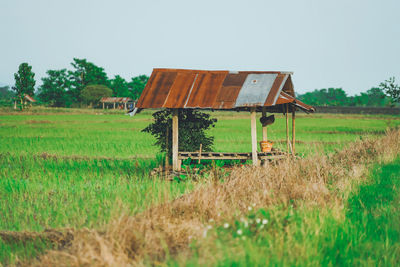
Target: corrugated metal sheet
229	91
205	90
182	88
255	90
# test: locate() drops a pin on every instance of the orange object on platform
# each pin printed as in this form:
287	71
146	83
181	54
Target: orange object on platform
266	146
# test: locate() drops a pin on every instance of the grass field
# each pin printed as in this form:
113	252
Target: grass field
365	232
63	168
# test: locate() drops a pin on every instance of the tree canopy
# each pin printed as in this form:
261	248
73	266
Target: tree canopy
92	93
137	85
24	81
54	88
391	89
119	87
85	73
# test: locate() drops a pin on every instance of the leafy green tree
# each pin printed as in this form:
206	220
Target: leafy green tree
24	82
54	89
119	87
374	97
85	73
391	89
326	97
336	97
192	126
92	94
137	85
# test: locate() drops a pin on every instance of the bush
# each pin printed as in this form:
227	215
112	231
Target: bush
93	93
192	126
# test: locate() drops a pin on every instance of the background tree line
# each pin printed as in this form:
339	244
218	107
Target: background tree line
85	83
381	96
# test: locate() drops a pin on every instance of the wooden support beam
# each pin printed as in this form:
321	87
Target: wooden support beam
125	105
254	137
293	130
167	146
201	146
287	128
103	105
264	128
175	160
114	105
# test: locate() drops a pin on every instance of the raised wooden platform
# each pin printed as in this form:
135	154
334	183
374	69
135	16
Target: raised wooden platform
232	155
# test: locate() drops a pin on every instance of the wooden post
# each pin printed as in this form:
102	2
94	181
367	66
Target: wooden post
287	128
114	105
15	104
254	137
201	146
293	130
167	146
125	105
103	105
175	161
264	128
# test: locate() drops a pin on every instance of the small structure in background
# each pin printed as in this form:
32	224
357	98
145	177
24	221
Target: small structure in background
125	103
27	99
251	91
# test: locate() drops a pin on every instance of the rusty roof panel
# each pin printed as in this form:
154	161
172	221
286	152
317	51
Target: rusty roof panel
288	86
179	91
275	90
155	98
206	89
255	90
229	91
146	90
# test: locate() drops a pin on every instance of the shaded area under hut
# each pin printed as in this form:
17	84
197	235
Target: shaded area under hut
248	91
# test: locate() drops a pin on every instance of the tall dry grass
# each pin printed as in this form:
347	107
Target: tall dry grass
168	228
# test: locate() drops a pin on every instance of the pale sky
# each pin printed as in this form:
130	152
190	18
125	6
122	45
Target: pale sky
352	44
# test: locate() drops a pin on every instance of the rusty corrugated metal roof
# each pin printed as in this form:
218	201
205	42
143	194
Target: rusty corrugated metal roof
182	88
115	99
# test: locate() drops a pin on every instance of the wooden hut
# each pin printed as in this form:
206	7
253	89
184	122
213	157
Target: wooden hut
119	102
249	91
26	99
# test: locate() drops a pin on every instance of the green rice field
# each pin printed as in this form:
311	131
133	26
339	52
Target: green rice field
63	168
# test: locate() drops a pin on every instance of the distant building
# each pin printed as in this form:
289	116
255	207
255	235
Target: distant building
29	98
118	102
26	99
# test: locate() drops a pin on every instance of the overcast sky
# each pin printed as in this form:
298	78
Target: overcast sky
353	44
